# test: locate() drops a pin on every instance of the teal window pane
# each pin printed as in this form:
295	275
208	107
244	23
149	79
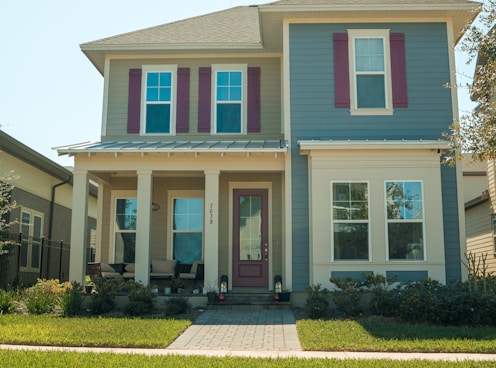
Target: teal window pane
228	118
165	79
188	247
404	200
371	91
235	94
235	79
165	94
152	94
158	118
222	93
222	78
351	241
152	79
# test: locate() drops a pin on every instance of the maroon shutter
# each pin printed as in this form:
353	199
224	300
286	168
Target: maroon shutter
341	70
182	105
134	101
253	100
204	99
398	69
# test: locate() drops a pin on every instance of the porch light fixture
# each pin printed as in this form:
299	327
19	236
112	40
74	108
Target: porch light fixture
224	282
155	206
278	284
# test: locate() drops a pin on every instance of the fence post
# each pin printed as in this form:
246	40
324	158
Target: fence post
41	256
60	259
19	248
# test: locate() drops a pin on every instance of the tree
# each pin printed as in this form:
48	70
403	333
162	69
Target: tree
475	133
6	202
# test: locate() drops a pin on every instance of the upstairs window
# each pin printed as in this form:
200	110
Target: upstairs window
229	100
370	71
159	100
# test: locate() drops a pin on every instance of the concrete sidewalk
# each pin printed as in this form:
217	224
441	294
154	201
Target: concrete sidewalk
261	334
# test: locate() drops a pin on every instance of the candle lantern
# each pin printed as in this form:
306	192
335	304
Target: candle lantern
224	284
278	284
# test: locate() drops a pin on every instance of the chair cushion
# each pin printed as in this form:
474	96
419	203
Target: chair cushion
110	274
130	267
162	266
105	267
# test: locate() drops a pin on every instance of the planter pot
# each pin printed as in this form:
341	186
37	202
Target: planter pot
212	297
167	290
284	296
88	289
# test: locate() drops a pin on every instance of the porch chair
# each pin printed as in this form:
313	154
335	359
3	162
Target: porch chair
195	272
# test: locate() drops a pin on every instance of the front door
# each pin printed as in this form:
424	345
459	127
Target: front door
250	237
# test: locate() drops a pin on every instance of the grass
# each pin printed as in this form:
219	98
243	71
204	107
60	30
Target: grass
33	359
95	332
370	335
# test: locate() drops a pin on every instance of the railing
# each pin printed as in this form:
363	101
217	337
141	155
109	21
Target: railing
24	259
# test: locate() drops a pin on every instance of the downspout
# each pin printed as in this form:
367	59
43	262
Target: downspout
50	223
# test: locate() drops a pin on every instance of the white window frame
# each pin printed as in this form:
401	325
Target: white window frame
171	195
158	69
368	221
115	195
243	68
354	34
30	238
388	221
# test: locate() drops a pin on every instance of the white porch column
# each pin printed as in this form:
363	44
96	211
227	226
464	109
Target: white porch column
79	226
143	219
211	230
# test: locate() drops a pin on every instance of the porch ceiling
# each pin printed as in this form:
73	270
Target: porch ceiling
241	146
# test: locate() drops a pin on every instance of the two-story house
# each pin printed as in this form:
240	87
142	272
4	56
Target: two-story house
301	138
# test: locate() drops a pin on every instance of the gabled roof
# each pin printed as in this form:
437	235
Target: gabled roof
240	28
237	26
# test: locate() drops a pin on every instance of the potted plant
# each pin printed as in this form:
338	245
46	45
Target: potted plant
211	292
88	284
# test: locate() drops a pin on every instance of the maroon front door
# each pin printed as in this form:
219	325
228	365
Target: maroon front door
250	237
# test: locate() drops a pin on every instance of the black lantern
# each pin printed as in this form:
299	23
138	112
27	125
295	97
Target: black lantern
224	284
278	284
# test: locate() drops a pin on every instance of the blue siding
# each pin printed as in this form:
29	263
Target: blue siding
405	276
313	116
451	225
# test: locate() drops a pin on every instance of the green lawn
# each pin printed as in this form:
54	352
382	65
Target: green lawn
96	331
32	359
348	335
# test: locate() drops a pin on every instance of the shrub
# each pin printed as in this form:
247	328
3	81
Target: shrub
7	298
347	299
71	300
141	299
102	300
317	302
176	305
382	300
45	296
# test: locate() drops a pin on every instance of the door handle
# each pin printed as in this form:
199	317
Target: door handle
266	252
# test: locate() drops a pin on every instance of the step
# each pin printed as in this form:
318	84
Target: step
249	301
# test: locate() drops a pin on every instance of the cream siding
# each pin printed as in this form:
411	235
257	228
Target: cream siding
479	234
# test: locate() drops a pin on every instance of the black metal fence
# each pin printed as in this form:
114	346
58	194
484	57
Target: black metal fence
24	259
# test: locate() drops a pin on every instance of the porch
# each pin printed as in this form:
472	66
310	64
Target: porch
225	208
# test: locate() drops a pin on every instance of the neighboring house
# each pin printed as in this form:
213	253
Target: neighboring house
43	193
480	220
301	138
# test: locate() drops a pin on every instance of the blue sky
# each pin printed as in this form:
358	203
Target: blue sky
50	93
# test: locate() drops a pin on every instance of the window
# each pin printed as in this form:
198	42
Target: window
159	99
32	233
370	71
187	229
405	220
350	221
125	230
229	85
